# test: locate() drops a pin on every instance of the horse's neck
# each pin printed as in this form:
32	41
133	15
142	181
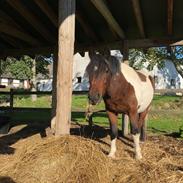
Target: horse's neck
117	85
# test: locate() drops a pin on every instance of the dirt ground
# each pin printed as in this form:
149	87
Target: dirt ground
28	156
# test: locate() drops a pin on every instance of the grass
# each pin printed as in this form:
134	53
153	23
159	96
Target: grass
161	118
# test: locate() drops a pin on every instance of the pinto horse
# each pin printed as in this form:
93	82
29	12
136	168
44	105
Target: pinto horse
124	90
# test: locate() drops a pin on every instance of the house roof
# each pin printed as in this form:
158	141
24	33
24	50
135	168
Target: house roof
31	26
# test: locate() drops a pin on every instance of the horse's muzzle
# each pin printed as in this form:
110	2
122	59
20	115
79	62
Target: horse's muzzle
94	99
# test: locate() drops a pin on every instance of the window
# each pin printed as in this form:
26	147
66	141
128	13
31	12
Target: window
79	79
172	82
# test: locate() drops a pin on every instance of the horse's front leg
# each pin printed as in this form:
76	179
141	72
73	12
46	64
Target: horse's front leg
135	130
114	132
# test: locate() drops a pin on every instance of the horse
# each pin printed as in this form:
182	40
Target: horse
124	90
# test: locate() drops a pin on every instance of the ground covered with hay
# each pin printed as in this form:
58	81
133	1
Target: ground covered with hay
82	157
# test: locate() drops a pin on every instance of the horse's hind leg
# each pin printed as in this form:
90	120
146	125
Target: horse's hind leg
114	132
142	122
135	130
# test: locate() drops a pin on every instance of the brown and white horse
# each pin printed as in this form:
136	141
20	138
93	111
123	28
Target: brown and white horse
124	90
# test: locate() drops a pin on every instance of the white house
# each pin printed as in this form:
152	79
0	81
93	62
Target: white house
166	77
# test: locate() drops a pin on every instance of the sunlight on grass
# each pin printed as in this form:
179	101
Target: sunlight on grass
161	120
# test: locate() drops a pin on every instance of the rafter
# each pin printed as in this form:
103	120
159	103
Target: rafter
170	17
138	16
10	41
106	13
32	19
7	19
12	31
45	7
86	27
138	43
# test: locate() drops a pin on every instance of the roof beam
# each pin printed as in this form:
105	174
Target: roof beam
12	31
10	41
32	19
86	27
45	7
138	43
106	13
138	16
7	19
170	17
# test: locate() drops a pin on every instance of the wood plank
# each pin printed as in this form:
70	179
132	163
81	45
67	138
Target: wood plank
32	19
45	7
125	118
11	41
65	65
12	31
5	18
54	92
138	16
170	17
137	43
106	13
86	27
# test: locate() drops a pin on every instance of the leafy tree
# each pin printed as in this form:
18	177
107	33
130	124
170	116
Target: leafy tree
22	68
157	56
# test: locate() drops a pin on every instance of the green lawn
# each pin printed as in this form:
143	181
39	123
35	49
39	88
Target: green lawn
166	115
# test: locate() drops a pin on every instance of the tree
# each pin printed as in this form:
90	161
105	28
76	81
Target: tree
22	68
139	58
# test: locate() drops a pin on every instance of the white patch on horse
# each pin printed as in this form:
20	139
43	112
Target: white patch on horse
113	148
136	139
143	90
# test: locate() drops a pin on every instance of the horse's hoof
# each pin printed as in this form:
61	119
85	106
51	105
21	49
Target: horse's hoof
138	157
111	155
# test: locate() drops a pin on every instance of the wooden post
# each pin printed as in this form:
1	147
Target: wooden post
11	100
34	97
54	92
125	118
66	35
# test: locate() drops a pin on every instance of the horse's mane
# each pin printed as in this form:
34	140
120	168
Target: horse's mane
115	65
101	62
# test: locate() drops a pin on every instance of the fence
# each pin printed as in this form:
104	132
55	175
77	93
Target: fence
12	93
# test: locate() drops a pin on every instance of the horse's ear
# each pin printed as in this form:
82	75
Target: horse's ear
107	53
91	53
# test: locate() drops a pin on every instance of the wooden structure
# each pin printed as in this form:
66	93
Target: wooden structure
41	26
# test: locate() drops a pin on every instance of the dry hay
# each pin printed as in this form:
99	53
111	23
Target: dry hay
76	159
65	159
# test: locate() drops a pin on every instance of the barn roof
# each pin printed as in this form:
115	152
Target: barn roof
31	26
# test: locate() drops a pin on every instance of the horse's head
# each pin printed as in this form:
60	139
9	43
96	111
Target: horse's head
99	76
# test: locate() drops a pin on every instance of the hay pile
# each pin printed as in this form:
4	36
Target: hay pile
67	159
76	159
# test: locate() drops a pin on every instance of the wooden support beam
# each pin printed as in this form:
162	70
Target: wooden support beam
138	16
125	52
32	19
86	27
12	31
54	92
125	118
14	43
138	43
106	13
5	18
170	17
45	7
65	65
